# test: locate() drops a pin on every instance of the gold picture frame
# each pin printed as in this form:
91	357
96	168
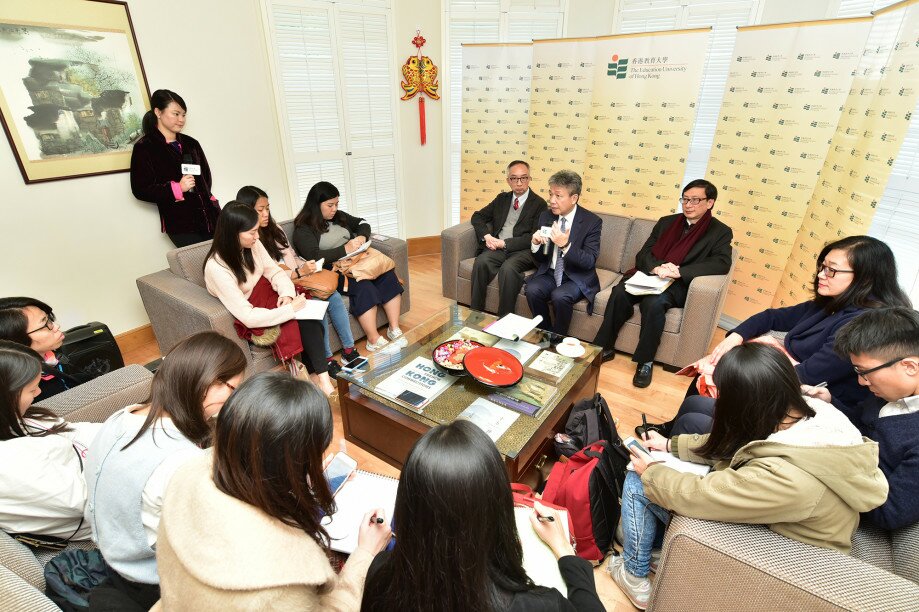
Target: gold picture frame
73	90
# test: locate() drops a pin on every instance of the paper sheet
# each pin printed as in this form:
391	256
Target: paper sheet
699	469
364	492
491	418
314	309
538	559
513	326
360	249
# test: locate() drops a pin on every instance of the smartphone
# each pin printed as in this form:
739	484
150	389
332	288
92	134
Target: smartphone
338	470
631	442
358	364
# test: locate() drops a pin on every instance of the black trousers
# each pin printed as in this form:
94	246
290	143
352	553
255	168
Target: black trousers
181	240
695	416
313	355
509	268
653	309
118	594
541	290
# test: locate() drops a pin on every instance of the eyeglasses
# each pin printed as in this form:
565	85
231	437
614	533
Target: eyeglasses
518	179
864	373
693	201
49	324
831	272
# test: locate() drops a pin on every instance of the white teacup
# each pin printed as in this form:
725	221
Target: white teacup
571	343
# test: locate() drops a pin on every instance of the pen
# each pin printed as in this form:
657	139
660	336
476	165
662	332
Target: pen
820	385
644	424
378	520
543	519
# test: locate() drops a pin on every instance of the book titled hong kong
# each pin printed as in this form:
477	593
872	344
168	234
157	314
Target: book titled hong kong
414	385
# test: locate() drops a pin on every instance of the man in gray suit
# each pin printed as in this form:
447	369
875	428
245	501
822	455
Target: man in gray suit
503	230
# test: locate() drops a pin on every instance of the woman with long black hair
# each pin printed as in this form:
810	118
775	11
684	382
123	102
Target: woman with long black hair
188	210
238	265
457	547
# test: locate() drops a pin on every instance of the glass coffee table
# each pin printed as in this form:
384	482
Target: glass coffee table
387	428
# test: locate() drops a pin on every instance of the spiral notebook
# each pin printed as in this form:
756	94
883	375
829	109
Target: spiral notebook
364	492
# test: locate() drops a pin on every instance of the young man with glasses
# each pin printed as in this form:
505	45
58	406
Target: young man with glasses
681	247
883	346
503	230
30	322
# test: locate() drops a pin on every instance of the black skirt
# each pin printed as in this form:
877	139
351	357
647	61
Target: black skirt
365	294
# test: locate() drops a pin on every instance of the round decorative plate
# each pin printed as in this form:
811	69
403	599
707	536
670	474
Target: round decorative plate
567	351
449	355
493	367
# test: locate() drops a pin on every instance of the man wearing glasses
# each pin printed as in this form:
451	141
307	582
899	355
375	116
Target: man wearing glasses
503	230
883	346
681	247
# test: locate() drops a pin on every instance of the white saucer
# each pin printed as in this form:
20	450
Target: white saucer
574	353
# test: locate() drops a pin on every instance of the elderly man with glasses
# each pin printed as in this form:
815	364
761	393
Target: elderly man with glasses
503	230
883	346
681	247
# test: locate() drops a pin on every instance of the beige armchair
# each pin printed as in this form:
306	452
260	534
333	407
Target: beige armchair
687	333
726	566
22	579
178	304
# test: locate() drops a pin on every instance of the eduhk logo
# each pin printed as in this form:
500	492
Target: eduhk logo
617	67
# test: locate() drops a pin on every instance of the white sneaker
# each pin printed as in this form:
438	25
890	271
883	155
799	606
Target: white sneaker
393	334
638	590
655	559
375	346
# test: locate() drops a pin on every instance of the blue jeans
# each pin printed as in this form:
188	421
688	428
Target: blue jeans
340	321
643	526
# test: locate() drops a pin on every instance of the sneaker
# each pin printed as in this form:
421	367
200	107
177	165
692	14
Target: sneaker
638	590
394	334
347	358
334	368
375	346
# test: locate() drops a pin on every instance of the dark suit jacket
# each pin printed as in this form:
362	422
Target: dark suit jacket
491	219
811	332
709	256
898	448
581	259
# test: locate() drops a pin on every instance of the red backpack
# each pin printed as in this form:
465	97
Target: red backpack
589	486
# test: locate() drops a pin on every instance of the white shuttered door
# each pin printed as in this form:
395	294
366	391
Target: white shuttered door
333	75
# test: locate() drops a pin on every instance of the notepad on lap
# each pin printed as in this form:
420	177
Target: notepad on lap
314	309
538	559
365	491
699	469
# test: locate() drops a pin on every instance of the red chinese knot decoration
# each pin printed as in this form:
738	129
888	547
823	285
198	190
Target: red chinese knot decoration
419	78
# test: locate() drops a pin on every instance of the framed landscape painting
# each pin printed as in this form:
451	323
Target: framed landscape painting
72	87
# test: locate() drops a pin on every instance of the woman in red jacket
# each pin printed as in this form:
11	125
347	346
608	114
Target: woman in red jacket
188	211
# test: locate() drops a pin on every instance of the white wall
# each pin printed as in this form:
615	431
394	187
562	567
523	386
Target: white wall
80	244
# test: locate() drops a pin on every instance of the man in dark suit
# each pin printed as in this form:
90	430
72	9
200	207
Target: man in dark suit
682	247
883	346
503	229
567	253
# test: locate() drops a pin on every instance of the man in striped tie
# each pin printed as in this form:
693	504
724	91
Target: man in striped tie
503	230
566	246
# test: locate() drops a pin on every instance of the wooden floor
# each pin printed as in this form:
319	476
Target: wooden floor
659	401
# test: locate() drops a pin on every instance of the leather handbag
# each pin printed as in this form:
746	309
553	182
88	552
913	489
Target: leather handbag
367	266
321	284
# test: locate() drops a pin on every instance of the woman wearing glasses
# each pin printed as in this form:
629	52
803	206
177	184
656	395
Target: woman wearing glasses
41	456
853	274
30	322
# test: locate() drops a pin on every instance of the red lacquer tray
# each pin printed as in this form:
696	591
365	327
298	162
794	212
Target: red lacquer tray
493	367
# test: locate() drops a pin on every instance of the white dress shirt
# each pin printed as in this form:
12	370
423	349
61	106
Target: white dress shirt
907	405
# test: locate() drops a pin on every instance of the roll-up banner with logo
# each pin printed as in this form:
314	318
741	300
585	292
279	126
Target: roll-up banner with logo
495	119
783	99
871	130
645	89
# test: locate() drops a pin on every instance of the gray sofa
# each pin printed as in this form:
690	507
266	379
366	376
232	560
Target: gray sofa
178	304
726	566
22	580
687	332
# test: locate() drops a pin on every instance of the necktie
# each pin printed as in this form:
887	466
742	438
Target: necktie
559	261
516	203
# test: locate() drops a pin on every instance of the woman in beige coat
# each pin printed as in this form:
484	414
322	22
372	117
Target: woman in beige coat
241	528
792	463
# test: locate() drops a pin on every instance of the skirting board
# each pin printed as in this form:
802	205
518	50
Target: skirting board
424	245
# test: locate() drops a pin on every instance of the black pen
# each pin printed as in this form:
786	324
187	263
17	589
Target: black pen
378	520
644	425
543	519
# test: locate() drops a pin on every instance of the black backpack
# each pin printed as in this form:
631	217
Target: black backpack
590	421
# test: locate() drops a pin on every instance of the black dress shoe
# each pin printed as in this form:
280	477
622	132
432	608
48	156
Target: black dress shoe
334	368
608	355
642	376
661	428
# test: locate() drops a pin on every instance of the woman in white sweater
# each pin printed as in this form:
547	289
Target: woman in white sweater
235	265
42	489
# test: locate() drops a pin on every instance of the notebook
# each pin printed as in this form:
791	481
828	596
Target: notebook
538	559
364	492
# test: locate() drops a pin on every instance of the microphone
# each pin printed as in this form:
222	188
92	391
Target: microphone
189	167
545	247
